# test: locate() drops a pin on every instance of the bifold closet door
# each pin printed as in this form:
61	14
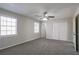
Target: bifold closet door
59	31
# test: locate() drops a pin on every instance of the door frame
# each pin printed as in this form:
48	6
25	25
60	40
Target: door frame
76	25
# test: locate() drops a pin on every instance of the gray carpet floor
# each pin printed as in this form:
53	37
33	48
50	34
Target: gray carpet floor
41	47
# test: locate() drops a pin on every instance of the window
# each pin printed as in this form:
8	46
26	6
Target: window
8	26
36	27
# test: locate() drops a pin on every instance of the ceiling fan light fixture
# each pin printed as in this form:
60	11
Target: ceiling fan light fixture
45	19
46	15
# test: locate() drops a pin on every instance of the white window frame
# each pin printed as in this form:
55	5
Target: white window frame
36	29
8	26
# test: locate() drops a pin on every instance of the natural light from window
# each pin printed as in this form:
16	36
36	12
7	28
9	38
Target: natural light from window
36	27
8	26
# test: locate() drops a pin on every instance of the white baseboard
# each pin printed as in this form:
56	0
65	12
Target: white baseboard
62	40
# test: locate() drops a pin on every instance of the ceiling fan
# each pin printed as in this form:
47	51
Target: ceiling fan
45	16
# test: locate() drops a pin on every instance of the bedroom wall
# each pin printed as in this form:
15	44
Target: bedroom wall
24	28
68	36
43	34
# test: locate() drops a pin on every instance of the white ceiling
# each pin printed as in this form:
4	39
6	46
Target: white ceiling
59	10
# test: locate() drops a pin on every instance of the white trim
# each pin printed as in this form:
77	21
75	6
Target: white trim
6	25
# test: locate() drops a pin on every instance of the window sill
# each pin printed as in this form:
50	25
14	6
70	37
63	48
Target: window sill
36	32
8	35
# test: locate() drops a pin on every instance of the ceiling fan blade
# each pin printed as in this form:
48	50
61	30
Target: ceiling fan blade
41	18
38	16
51	16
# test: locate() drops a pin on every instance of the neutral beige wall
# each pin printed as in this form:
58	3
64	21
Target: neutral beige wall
43	34
24	28
49	28
28	29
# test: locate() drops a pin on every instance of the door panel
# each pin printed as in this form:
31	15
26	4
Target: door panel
60	31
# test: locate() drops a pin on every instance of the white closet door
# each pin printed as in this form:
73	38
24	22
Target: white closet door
55	31
63	31
60	31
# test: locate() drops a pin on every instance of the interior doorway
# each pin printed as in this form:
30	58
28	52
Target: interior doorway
77	30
